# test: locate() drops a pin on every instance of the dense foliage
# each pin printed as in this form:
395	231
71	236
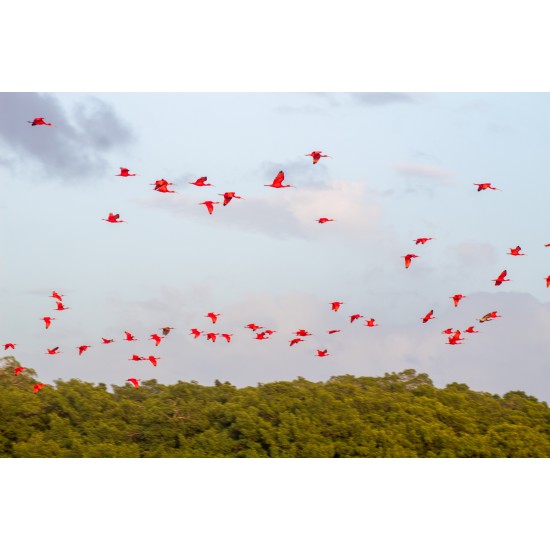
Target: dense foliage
397	415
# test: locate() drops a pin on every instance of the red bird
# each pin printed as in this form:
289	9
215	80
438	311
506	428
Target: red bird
269	331
322	353
547	279
156	338
487	185
228	196
296	341
334	331
37	387
153	360
134	381
200	182
57	296
82	349
105	341
261	336
39	122
136	358
471	330
371	323
61	307
162	186
354	317
125	172
277	182
213	316
489	317
324	220
456	298
129	337
428	316
18	370
302	332
212	336
209	205
166	330
316	155
196	333
53	351
501	278
227	336
448	331
9	345
423	240
252	326
48	321
515	251
113	218
336	305
408	259
547	244
453	340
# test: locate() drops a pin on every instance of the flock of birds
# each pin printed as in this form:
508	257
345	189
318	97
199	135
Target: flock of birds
454	336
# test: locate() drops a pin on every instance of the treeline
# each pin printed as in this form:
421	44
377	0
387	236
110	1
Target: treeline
396	415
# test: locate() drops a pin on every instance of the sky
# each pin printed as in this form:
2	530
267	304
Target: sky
402	166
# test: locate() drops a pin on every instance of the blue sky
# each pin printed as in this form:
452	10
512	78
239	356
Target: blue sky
402	166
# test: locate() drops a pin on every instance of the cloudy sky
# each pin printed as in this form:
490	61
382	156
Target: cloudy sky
401	166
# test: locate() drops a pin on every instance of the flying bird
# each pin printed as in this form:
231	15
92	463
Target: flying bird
471	330
113	218
447	331
196	333
324	220
48	321
209	205
37	387
156	338
60	306
153	360
322	353
136	358
371	323
489	317
106	341
9	345
547	279
18	370
302	332
213	316
278	181
515	251
316	156
125	172
227	336
333	331
295	341
134	381
57	296
428	316
501	278
166	330
454	340
200	182
262	336
423	240
354	317
456	298
212	336
336	305
408	259
228	196
253	326
82	349
53	351
486	185
39	122
129	337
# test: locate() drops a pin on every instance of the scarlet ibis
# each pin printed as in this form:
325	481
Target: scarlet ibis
227	336
371	323
501	278
125	172
53	351
60	306
278	181
302	332
136	358
471	330
324	220
209	205
113	218
515	251
106	341
196	333
354	317
134	381
486	185
322	353
428	316
447	331
423	240
18	370
253	326
336	305
153	360
228	196
39	121
212	336
129	336
408	259
200	182
316	156
82	349
456	298
37	387
333	331
295	341
262	336
453	340
9	345
57	296
213	316
547	279
156	338
48	321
